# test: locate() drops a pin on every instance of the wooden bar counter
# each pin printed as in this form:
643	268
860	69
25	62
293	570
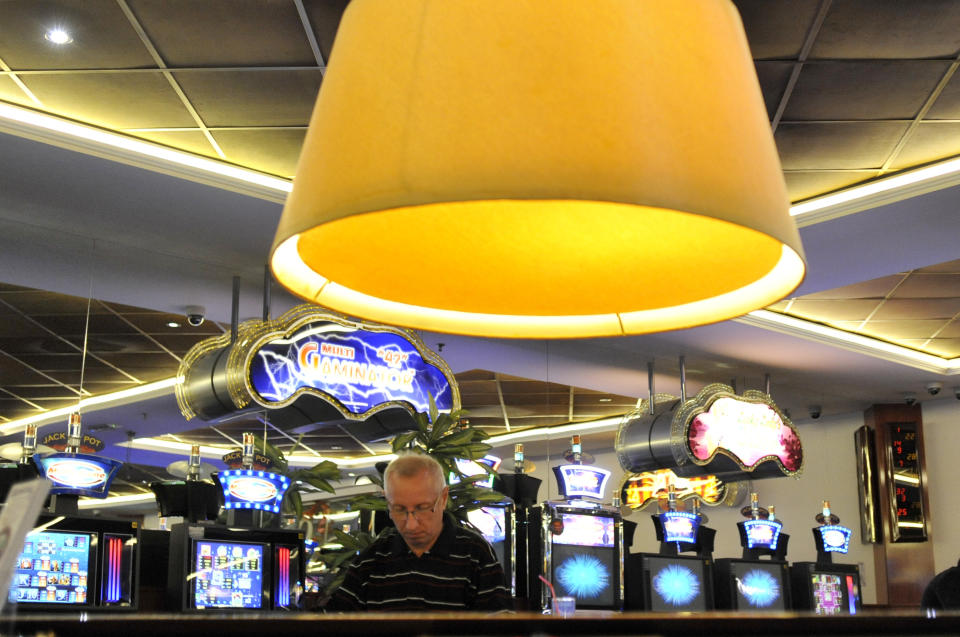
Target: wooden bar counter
713	624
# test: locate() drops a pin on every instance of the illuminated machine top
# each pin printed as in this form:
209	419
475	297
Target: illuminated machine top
472	468
252	489
762	534
680	526
832	538
581	481
78	473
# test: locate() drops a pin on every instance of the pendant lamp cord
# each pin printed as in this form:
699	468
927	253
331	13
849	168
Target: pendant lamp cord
86	333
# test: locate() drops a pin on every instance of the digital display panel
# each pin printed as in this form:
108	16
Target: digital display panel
676	584
758	586
762	533
492	524
853	593
54	568
642	489
575	480
827	593
680	526
586	530
588	573
227	575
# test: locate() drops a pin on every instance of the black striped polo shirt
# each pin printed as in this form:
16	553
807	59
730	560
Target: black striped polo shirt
459	572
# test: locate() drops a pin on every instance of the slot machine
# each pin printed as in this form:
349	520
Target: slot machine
822	586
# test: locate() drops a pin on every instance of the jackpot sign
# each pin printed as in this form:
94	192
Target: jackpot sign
358	368
78	474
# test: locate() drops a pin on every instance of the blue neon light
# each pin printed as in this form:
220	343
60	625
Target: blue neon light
359	369
679	526
762	533
676	585
248	489
835	538
78	473
759	588
584	576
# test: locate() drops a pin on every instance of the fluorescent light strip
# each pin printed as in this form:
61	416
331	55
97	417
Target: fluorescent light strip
542	433
20	424
852	342
876	193
115	146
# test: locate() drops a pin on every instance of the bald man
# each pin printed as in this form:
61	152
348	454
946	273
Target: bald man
428	562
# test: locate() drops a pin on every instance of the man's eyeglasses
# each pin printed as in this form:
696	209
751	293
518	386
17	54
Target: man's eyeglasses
400	514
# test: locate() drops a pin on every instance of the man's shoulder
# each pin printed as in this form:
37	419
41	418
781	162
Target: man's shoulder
381	546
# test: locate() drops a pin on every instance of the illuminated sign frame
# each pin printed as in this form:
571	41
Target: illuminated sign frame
652	485
833	531
568	476
670	520
235	482
700	440
66	470
756	533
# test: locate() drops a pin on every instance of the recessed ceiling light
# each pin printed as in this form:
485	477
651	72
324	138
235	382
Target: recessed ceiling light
58	36
173	324
335	448
605	400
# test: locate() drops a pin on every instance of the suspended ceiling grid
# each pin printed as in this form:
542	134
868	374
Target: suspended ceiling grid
854	89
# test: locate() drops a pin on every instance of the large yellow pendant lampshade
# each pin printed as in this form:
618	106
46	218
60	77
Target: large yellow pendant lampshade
539	168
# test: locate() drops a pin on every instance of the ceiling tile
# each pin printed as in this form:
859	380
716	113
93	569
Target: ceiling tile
889	29
833	310
952	330
10	92
812	183
252	97
773	77
929	141
225	32
952	267
872	289
819	146
892	330
192	141
947	105
918	309
271	151
103	38
929	285
324	16
117	100
894	89
944	347
776	28
466	377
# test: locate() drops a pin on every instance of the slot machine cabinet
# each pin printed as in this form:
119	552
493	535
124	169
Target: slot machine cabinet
497	523
578	549
78	564
216	569
823	587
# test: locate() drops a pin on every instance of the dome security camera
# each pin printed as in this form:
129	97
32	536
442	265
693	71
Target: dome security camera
196	314
910	398
815	411
934	387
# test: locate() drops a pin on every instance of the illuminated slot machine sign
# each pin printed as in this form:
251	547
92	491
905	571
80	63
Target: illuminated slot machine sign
680	526
737	437
642	489
472	468
252	489
359	368
762	534
78	473
581	481
832	538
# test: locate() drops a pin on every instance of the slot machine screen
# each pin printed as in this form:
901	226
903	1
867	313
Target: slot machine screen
675	584
492	524
54	568
584	559
227	574
827	593
758	585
